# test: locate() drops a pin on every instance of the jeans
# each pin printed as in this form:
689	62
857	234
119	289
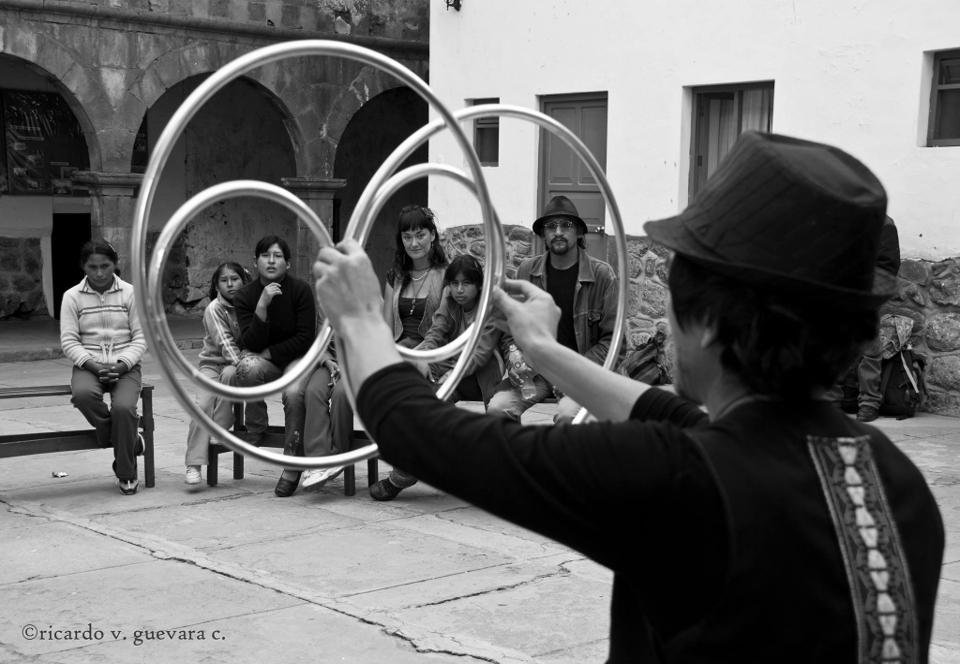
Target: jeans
508	402
869	375
117	425
305	406
221	410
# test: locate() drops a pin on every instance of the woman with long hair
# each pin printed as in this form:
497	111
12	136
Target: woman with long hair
411	297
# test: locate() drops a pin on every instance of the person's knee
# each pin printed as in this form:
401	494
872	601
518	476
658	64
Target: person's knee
228	376
503	406
252	370
124	409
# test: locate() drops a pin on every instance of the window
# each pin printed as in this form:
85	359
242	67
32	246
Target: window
720	115
944	127
486	136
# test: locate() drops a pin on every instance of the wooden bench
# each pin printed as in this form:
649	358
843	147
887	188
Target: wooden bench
25	444
274	437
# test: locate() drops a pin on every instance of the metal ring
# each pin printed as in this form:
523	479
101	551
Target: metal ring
361	222
466	342
178	221
150	314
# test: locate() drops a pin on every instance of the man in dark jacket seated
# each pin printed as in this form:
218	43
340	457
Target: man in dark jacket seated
776	529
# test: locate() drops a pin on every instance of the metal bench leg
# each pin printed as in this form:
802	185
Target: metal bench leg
213	468
149	466
350	480
373	471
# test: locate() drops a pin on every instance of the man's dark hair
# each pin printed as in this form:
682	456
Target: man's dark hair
778	344
270	240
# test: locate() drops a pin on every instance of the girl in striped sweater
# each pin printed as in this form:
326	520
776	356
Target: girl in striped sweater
218	361
100	333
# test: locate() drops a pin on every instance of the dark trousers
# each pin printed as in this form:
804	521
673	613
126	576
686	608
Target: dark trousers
117	425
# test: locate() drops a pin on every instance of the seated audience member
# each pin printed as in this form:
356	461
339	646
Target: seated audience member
277	316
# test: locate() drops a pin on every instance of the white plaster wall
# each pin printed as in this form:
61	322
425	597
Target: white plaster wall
850	73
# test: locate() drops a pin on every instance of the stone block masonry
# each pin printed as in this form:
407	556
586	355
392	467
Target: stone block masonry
929	294
21	281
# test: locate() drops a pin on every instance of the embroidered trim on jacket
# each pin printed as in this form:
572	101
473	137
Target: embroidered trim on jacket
873	555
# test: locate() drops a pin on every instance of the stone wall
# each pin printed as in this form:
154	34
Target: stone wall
929	294
21	281
390	19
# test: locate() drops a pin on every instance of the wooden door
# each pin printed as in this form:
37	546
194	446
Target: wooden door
562	172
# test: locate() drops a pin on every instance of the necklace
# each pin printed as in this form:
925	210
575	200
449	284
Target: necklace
420	278
413	301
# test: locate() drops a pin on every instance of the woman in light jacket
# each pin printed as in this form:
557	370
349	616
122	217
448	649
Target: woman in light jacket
101	335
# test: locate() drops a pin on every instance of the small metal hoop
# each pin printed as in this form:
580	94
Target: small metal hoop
466	342
178	221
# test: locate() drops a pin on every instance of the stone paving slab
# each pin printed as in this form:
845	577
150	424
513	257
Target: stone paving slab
345	562
126	598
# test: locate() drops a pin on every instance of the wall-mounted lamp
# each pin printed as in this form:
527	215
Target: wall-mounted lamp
453	3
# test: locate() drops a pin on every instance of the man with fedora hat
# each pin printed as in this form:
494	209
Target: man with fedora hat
774	528
584	288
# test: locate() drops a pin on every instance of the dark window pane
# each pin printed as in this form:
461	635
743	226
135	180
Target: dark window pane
949	71
948	120
487	144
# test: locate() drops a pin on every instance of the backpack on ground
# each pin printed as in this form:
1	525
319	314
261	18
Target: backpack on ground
901	384
644	363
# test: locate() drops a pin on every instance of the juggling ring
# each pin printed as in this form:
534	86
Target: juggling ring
150	310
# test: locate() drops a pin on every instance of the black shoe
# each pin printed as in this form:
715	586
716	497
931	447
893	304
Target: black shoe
285	487
867	414
384	490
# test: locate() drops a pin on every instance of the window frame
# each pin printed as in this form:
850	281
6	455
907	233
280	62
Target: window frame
737	89
486	124
935	89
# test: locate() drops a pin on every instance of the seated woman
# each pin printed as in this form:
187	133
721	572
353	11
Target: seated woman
410	299
277	316
101	335
458	310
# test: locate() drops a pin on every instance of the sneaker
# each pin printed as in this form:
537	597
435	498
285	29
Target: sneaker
193	475
129	487
252	437
384	490
316	478
867	414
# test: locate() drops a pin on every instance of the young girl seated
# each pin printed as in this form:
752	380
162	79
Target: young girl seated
218	361
458	309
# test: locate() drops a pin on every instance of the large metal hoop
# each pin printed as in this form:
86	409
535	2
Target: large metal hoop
151	315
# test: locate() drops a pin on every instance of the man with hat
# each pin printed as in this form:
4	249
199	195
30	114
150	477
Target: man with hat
585	289
773	529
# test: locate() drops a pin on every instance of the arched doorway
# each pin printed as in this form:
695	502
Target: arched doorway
238	135
371	135
44	219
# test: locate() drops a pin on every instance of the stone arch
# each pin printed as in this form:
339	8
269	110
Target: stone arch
58	64
204	58
368	84
374	131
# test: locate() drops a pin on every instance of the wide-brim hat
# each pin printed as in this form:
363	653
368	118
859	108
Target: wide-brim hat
559	206
789	214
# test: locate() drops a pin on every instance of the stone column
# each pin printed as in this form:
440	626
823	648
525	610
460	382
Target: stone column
318	194
113	198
